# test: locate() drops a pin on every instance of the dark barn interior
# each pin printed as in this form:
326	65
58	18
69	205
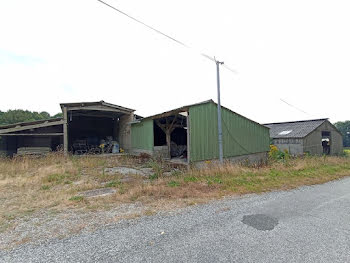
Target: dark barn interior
175	127
32	137
96	127
93	132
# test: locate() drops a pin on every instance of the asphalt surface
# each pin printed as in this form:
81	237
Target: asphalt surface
310	224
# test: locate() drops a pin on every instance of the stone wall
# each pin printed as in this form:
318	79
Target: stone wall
249	159
124	131
294	146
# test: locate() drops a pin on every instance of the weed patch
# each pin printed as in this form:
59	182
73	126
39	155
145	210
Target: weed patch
190	179
173	184
45	187
153	176
76	198
113	184
213	180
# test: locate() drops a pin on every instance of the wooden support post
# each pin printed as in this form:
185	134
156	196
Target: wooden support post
65	131
168	142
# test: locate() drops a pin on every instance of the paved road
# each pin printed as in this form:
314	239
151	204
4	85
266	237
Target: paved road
311	224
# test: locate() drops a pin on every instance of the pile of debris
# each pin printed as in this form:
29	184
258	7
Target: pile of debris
95	146
33	150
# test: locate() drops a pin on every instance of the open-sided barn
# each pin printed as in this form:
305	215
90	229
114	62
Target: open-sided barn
191	133
83	128
35	136
187	134
315	137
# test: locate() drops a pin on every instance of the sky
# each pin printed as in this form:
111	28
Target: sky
81	50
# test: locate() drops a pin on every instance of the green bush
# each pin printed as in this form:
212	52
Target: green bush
276	154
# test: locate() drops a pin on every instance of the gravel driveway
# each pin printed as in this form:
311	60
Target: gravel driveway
310	224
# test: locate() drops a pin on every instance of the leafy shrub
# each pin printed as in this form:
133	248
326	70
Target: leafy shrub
276	154
273	153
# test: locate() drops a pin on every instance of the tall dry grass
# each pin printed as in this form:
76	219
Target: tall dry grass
28	184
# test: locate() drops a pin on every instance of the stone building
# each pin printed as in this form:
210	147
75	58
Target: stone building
316	137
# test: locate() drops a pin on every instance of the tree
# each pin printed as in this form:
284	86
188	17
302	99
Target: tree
344	128
14	116
58	115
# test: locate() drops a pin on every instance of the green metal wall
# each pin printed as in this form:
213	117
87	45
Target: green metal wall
240	135
142	135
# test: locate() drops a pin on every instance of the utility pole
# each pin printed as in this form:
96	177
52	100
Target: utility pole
221	153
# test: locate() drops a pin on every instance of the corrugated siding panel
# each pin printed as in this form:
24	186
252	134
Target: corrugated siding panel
142	135
240	135
203	132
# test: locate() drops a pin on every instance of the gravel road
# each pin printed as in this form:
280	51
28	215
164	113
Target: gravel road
310	224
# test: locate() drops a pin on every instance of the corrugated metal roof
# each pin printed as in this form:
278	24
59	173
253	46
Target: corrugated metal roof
95	103
176	111
27	123
294	129
186	108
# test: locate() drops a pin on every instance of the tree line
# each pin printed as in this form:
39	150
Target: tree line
15	116
344	128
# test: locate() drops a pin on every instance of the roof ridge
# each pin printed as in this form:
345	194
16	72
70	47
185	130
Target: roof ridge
323	119
101	102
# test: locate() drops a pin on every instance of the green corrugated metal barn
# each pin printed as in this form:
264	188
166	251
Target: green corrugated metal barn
190	134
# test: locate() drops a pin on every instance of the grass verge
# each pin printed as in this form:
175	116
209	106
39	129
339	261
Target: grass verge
28	185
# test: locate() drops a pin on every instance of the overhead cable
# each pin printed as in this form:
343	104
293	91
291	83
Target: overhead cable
161	33
294	107
142	23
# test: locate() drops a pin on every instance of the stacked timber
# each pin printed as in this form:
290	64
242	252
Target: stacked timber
33	150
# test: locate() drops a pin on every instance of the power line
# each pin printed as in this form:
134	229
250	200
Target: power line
142	23
163	34
204	55
294	107
230	69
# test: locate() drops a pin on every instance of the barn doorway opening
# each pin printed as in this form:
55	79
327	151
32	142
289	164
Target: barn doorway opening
96	132
170	136
159	136
326	142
